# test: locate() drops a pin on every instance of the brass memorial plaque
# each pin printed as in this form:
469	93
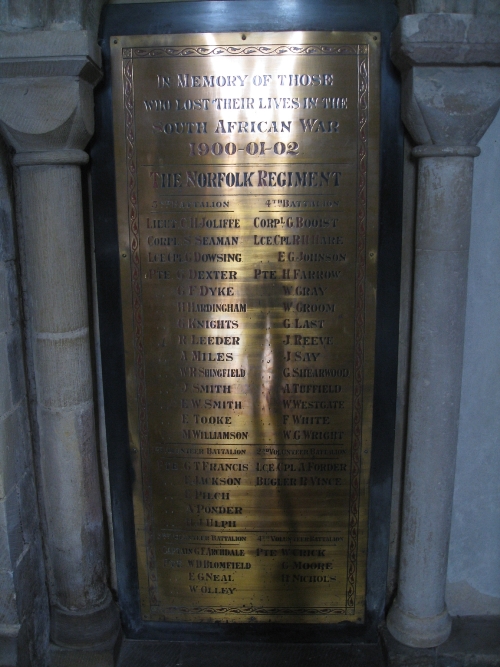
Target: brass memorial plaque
247	189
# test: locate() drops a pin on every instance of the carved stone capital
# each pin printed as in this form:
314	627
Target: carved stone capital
451	106
450	65
46	90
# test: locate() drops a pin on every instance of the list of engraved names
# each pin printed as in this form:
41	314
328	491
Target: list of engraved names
248	248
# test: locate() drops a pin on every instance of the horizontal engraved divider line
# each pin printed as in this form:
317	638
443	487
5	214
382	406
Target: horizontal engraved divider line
246	164
189	457
285	545
297	210
67	335
246	444
213	458
302	536
231	531
244	531
231	192
244	611
243	194
274	544
197	210
226	210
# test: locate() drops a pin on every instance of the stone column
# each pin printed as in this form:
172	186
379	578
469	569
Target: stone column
48	120
446	108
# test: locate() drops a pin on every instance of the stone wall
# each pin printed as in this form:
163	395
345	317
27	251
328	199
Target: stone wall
50	14
473	567
24	612
449	6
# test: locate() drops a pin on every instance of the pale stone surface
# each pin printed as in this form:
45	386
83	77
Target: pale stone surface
473	570
419	616
451	39
24	617
450	106
452	6
49	151
57	15
55	282
447	109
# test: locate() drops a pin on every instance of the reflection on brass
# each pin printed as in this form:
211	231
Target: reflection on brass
247	190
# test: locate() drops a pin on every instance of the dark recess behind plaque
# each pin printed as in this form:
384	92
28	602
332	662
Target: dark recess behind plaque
250	15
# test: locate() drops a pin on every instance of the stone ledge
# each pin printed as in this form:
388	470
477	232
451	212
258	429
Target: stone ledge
50	53
39	44
62	657
446	39
474	642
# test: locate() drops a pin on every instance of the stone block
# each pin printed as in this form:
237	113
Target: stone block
39	622
8	607
69	462
29	581
29	509
440	38
15	354
474	635
7	251
5	559
460	6
488	7
53	52
51	225
61	657
23	646
5	393
13	449
8	645
399	655
24	452
13	311
5	320
32	605
63	371
14	525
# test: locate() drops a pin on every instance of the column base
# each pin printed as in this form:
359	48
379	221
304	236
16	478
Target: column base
418	632
95	630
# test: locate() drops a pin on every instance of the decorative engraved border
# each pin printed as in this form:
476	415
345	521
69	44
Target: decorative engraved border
361	50
138	319
274	50
359	332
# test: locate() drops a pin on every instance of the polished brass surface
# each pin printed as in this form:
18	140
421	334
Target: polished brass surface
247	191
